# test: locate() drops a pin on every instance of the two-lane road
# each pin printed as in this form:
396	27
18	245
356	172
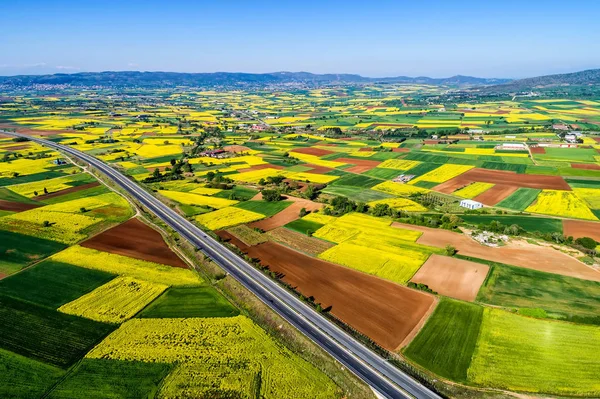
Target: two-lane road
383	377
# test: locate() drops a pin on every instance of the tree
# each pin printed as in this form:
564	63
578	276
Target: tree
303	212
271	195
35	193
156	174
587	242
449	250
46	223
173	161
45	190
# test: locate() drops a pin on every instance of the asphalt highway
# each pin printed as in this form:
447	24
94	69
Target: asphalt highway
383	377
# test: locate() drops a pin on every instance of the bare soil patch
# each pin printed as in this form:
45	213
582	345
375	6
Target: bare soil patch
16	206
31	132
503	177
260	167
16	147
319	152
516	252
236	148
495	194
136	240
400	149
317	169
361	165
588	166
384	311
230	238
299	242
365	149
67	191
537	150
577	229
289	214
452	277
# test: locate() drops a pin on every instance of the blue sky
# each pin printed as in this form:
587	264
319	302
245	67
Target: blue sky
379	38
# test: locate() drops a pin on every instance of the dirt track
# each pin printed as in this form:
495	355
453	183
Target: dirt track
505	178
16	206
577	229
517	253
452	277
136	240
289	214
382	310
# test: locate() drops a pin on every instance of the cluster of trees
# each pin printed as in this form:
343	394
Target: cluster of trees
175	172
496	227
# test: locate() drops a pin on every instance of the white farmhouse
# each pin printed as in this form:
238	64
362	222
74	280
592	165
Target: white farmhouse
470	204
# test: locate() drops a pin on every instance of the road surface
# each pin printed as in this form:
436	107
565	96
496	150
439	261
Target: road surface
387	380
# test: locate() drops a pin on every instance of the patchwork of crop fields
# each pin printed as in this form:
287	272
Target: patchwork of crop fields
115	314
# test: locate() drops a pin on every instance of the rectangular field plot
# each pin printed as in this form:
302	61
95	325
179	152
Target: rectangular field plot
18	250
100	378
561	203
21	377
526	354
47	335
52	284
446	343
264	207
190	302
520	199
528	223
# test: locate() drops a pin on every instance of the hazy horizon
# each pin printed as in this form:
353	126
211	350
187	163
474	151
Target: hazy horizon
435	39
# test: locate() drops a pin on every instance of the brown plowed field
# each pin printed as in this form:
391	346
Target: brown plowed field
15	147
236	148
362	165
227	236
400	149
588	166
136	240
503	177
384	311
16	206
67	191
317	169
537	150
452	277
31	132
259	167
577	229
312	151
299	242
495	194
289	214
519	253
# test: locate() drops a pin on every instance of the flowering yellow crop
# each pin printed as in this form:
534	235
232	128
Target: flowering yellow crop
311	177
590	195
561	203
52	185
125	266
319	218
89	203
254	176
400	164
313	159
24	166
215	347
442	174
400	189
197	199
115	301
400	203
153	151
227	217
473	190
205	191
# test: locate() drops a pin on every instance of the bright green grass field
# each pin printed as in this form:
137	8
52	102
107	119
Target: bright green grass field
302	226
102	378
8	195
47	335
528	223
352	180
559	296
520	199
52	284
264	207
525	354
18	250
190	302
383	173
446	343
21	377
241	193
90	192
356	193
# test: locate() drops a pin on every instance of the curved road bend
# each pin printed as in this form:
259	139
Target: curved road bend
387	380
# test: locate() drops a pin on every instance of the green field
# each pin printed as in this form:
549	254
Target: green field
267	208
18	250
559	296
47	335
352	180
90	192
241	193
520	199
303	226
190	302
581	183
21	377
52	284
8	195
568	154
383	173
528	223
526	354
100	378
356	193
446	343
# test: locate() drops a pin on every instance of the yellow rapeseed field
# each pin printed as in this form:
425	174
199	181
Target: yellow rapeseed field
24	166
255	175
400	164
205	191
442	174
52	185
561	203
227	217
590	195
400	203
312	159
197	199
115	301
473	190
399	189
319	218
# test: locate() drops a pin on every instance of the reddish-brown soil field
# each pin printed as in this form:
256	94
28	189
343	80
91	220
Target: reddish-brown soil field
299	242
259	167
136	240
312	151
503	177
236	148
227	236
15	147
577	229
597	138
495	194
317	169
452	277
362	165
384	311
365	149
67	191
289	214
28	131
400	149
520	253
16	206
588	166
537	150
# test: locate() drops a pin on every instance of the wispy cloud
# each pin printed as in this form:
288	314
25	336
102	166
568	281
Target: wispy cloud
70	68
